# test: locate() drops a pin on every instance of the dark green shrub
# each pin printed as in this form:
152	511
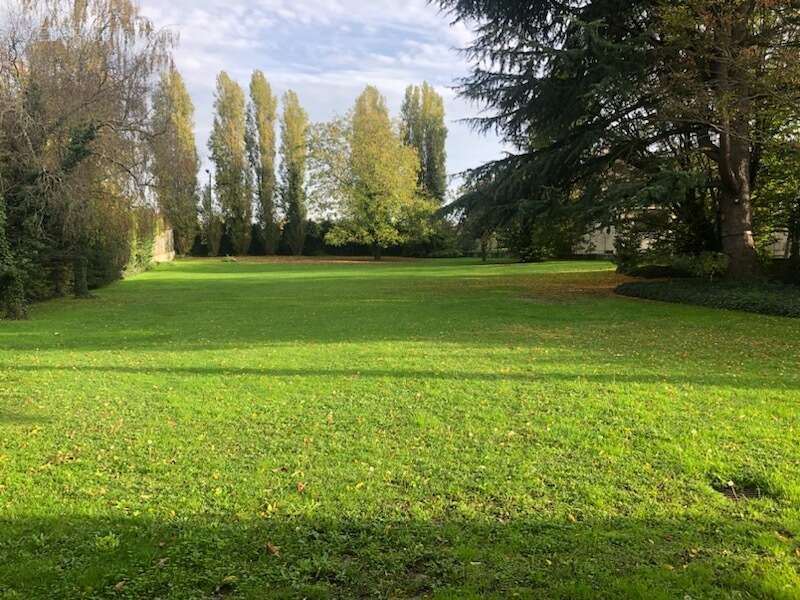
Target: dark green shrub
659	272
785	271
764	298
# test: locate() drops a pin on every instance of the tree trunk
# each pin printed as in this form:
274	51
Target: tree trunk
737	235
736	209
81	280
377	252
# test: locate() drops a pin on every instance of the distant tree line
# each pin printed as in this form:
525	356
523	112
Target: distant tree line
380	182
677	121
97	151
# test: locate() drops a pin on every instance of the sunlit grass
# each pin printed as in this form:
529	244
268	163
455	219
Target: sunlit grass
408	429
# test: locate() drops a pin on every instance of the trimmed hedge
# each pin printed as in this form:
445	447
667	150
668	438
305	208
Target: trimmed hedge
763	298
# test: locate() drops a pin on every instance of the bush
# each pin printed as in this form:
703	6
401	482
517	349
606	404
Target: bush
785	271
708	265
659	272
763	298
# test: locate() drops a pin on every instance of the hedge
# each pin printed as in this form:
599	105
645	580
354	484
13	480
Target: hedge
763	298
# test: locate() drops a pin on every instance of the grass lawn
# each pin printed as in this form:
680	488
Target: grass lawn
438	429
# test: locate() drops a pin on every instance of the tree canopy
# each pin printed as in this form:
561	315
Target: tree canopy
74	135
371	176
175	159
228	153
624	105
424	129
294	153
261	146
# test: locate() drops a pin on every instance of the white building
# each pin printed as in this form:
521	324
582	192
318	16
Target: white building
601	243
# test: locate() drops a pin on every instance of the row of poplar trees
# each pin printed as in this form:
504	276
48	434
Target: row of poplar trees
318	165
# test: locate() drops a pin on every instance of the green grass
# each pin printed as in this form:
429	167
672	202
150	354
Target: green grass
408	429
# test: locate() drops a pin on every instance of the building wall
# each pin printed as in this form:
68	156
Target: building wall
601	243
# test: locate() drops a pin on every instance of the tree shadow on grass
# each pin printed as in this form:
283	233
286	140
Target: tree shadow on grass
452	557
8	417
751	382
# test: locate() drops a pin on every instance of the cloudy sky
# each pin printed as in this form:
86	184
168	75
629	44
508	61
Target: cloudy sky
327	51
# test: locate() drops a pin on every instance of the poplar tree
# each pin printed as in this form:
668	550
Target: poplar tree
293	152
228	153
423	128
211	222
261	117
175	160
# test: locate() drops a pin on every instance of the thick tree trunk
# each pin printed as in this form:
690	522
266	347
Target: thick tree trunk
736	208
738	242
377	252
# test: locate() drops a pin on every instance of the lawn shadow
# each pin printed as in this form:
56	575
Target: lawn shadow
450	557
8	417
545	376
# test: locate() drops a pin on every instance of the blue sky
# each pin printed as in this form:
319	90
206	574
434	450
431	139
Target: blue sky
327	51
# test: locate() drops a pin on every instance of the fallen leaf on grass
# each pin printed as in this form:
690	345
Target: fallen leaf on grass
273	549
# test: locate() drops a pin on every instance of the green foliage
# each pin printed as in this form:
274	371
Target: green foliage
626	106
13	303
142	240
294	155
211	221
362	165
228	153
261	118
460	430
423	128
175	159
708	265
74	142
763	298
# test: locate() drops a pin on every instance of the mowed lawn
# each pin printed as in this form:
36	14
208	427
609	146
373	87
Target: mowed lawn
440	429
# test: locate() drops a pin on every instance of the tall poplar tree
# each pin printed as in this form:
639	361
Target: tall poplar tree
175	160
228	152
261	117
293	152
423	128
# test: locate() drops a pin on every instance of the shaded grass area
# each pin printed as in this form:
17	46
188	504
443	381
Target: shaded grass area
438	429
762	298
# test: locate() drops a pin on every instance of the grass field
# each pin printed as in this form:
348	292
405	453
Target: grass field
407	429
